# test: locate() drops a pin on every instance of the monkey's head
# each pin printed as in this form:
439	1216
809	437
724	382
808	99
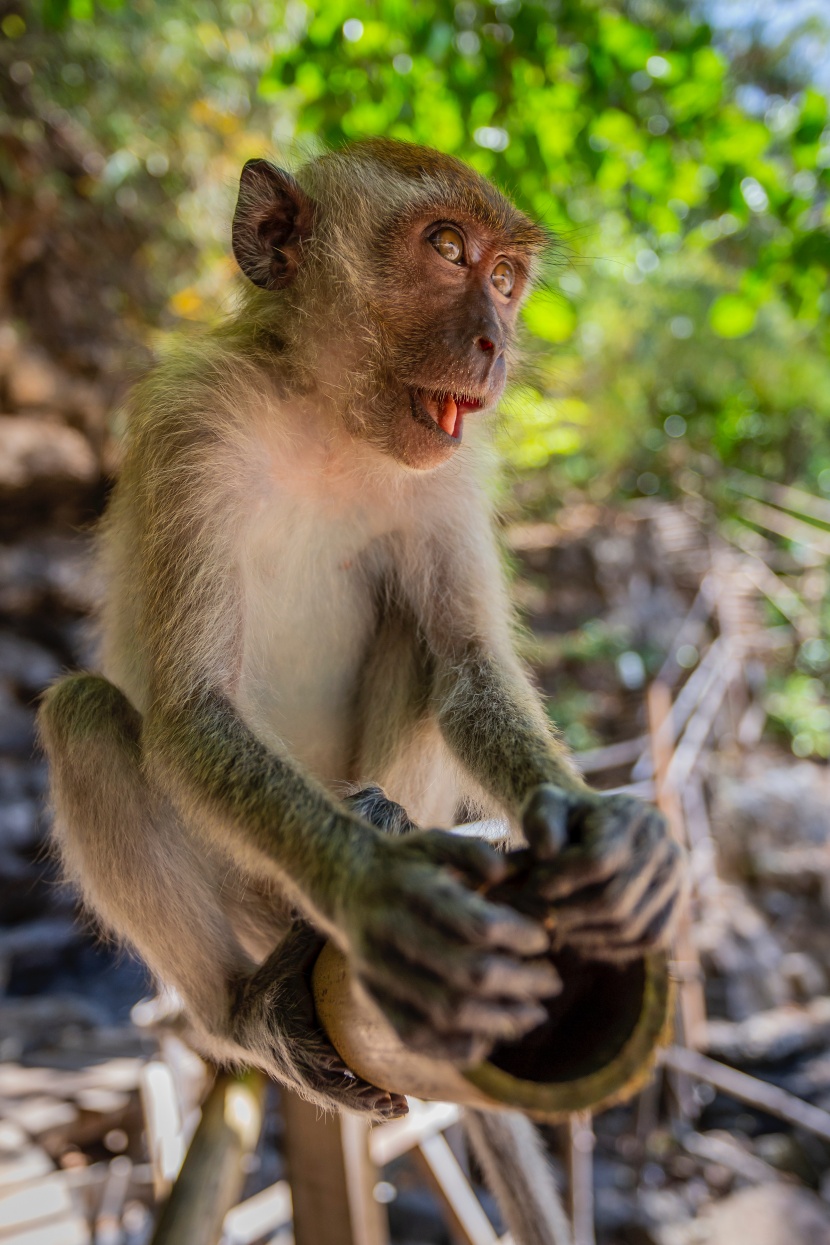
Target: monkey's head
393	275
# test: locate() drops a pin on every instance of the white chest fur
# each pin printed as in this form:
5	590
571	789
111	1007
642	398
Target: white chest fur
308	618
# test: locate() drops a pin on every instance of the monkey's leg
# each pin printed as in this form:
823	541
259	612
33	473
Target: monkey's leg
138	869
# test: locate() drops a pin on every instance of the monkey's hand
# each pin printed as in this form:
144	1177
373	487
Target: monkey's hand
608	869
277	1009
451	971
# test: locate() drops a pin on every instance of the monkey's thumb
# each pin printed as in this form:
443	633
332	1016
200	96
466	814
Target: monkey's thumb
545	821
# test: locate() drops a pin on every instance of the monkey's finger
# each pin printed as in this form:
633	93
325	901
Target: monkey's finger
451	1009
497	925
661	901
667	886
612	846
616	899
419	1034
481	972
501	977
378	1102
545	821
470	919
473	858
656	937
324	1072
500	1022
628	906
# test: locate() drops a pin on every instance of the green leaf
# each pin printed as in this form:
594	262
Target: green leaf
552	319
732	316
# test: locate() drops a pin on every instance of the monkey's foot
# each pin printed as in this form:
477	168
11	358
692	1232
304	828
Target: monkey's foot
326	1076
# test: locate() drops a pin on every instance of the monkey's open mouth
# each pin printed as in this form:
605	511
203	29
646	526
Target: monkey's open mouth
447	410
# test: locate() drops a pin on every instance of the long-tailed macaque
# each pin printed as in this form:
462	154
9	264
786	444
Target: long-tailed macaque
304	600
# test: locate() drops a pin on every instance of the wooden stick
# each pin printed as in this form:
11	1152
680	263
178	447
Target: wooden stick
468	1222
581	1152
783	495
390	1141
700	724
611	756
687	633
259	1216
659	708
729	1154
212	1175
108	1219
692	1002
332	1177
797	530
786	601
693	690
749	1089
163	1124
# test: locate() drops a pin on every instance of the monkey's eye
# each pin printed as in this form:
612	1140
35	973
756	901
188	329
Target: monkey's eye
449	244
503	277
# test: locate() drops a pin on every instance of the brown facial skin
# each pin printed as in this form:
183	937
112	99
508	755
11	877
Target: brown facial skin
447	330
440	327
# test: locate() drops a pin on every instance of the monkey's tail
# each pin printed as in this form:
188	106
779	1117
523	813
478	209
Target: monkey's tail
512	1156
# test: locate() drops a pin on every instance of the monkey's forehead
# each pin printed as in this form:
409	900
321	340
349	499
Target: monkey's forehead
395	177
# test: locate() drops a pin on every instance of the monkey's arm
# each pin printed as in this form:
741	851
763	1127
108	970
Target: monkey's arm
607	864
446	966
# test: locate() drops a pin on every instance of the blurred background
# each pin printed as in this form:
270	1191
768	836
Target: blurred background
664	487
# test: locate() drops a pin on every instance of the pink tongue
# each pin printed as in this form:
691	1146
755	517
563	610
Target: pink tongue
448	415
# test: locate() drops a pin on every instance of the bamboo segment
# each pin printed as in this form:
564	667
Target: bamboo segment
212	1174
597	1046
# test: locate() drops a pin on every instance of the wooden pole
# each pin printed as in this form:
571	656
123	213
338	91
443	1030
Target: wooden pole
581	1165
332	1177
212	1174
692	1001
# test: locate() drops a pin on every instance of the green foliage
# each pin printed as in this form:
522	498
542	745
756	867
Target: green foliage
683	317
692	246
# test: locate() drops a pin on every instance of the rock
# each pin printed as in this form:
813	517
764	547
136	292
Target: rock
805	975
32	380
26	665
804	870
17	725
47	575
738	950
34	451
768	1215
9	347
771	805
19	827
771	1035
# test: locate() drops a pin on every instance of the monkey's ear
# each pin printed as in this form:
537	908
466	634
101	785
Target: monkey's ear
274	217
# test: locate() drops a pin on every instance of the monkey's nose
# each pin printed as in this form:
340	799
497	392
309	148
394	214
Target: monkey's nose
485	344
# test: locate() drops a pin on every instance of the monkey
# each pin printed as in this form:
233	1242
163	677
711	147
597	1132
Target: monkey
307	657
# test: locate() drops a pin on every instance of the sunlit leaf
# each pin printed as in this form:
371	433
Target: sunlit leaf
732	316
549	318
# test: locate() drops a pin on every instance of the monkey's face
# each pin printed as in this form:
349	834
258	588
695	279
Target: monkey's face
444	301
403	272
